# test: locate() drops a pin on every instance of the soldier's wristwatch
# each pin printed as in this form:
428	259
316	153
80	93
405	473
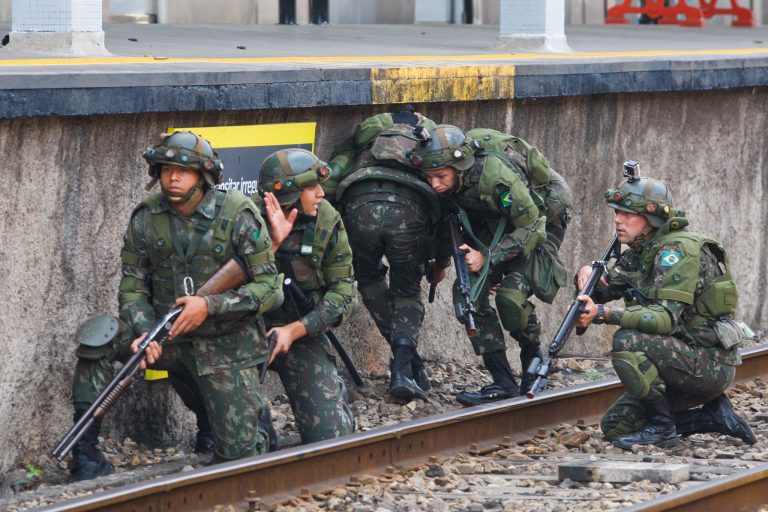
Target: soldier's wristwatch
600	317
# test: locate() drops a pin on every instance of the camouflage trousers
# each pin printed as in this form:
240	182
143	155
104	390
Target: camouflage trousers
688	375
516	313
395	230
230	396
316	391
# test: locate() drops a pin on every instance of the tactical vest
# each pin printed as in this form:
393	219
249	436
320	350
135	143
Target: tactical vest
305	262
548	189
209	248
709	307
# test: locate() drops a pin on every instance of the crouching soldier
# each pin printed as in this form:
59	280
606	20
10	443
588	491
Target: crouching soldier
176	240
312	249
678	346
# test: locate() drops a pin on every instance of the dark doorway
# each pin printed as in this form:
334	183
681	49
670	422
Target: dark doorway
318	11
468	14
287	12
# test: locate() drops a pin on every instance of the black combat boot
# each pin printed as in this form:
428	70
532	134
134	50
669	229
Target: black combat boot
419	371
504	384
401	384
715	416
87	460
527	354
267	428
659	427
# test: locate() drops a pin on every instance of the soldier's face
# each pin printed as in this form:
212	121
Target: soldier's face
441	180
178	180
310	199
629	225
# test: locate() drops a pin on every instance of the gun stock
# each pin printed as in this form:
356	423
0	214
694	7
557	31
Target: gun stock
464	310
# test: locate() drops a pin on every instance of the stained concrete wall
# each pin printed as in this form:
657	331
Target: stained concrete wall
72	182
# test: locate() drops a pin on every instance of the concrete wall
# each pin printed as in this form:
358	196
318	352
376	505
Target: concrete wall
73	182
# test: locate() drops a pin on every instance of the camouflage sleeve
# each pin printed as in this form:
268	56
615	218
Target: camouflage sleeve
263	291
340	297
513	200
340	161
616	284
134	295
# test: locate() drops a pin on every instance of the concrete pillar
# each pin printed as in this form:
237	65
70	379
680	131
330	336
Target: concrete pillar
60	27
533	25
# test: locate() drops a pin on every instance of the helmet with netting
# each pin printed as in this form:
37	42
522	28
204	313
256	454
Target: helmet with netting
185	149
286	172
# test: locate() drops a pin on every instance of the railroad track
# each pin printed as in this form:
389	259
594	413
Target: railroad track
479	435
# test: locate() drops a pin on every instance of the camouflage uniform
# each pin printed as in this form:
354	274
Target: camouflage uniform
503	216
389	211
677	347
223	352
308	371
317	256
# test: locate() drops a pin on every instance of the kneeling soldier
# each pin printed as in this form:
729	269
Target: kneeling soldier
677	347
312	249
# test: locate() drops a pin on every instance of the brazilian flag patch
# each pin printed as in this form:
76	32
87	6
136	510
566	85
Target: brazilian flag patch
255	235
670	258
506	199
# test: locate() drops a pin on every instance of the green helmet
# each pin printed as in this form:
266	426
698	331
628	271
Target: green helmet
645	196
186	149
286	172
445	146
97	331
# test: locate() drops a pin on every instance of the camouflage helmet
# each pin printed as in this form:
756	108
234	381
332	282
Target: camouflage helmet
185	149
645	196
286	172
445	146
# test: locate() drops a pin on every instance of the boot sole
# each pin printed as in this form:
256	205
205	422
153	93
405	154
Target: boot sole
402	393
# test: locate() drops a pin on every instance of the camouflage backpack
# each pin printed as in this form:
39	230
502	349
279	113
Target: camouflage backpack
549	190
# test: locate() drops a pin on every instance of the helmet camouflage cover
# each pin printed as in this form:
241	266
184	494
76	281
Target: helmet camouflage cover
286	172
645	196
185	149
445	146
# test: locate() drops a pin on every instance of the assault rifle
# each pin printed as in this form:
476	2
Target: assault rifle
539	368
465	310
304	305
230	276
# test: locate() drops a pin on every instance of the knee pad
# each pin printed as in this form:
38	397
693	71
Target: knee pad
514	309
374	289
635	371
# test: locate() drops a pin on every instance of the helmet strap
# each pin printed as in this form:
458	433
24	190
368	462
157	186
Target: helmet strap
187	197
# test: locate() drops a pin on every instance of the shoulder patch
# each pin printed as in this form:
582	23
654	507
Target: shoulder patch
255	234
670	258
506	199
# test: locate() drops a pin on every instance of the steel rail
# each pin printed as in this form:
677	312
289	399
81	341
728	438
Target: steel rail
320	466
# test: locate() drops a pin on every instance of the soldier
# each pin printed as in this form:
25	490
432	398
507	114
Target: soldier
312	249
677	347
389	211
175	241
513	208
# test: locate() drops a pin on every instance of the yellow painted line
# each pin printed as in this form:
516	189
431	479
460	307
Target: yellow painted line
287	134
447	83
87	61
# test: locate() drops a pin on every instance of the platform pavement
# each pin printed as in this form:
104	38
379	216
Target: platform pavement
239	67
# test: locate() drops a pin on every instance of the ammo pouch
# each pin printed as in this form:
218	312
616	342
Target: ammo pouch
546	272
719	298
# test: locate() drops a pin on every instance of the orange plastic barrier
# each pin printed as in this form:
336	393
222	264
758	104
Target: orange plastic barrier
681	13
